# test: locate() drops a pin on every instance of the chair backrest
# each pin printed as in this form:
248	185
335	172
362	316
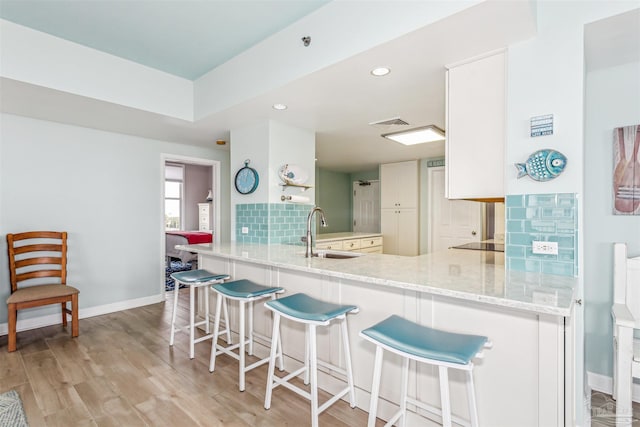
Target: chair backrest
626	280
37	254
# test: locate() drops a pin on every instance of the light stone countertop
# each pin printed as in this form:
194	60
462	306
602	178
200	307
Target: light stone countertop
457	273
327	237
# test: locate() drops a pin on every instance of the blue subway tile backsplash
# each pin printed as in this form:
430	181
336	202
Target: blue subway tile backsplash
542	217
271	222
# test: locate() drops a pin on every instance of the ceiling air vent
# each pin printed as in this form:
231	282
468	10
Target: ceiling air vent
389	122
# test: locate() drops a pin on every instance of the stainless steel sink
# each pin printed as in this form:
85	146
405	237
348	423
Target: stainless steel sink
337	254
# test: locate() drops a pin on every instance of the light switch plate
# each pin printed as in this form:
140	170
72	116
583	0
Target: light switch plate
545	248
245	230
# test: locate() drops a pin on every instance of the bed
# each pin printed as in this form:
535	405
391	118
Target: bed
173	238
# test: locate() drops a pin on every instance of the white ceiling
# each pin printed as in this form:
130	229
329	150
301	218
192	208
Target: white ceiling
337	102
184	38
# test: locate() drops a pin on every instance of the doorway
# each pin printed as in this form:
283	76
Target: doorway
366	206
199	184
451	222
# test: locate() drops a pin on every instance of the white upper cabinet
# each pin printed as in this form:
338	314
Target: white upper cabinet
476	129
399	185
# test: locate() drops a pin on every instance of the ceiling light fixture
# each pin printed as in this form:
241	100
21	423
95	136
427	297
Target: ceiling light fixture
419	135
279	107
380	71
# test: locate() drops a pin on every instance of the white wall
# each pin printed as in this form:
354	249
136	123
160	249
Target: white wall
105	189
546	76
269	145
612	100
290	145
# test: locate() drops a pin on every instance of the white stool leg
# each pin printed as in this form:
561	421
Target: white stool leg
192	314
175	309
375	387
216	329
206	290
250	328
404	381
226	319
444	396
347	361
242	344
275	337
313	367
306	355
471	396
279	351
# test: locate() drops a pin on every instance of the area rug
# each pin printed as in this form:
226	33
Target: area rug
11	411
174	267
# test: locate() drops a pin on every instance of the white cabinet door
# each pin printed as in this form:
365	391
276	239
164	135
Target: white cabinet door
407	232
399	185
475	161
400	231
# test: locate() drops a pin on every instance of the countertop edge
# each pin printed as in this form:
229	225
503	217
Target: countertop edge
424	288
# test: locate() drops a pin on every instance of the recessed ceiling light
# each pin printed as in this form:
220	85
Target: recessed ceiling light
279	107
420	135
380	71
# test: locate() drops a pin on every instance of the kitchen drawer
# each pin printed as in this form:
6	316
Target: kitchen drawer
370	242
371	250
335	245
351	244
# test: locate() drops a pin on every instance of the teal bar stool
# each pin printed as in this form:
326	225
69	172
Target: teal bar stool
194	279
311	312
245	292
426	345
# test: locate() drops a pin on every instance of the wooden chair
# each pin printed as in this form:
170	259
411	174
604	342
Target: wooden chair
626	318
37	255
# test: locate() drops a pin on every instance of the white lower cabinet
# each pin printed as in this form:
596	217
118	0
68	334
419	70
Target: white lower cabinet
518	382
400	231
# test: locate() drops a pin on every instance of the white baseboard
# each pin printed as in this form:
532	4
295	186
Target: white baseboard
604	384
54	319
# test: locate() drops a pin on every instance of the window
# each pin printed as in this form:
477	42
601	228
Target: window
173	190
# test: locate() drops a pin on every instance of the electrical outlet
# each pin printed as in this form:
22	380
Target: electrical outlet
245	230
545	248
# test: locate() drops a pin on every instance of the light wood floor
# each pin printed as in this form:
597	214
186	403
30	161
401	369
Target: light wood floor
121	371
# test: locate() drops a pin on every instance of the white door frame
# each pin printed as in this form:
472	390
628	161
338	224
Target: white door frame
215	187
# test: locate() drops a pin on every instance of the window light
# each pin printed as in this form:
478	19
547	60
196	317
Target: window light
414	136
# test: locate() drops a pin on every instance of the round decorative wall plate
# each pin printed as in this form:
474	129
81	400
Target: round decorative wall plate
247	179
292	174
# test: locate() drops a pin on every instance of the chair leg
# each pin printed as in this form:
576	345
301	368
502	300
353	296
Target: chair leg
226	319
313	367
241	333
216	331
173	314
192	321
13	318
444	396
64	313
207	290
471	396
275	337
306	356
250	328
347	361
375	387
403	393
75	324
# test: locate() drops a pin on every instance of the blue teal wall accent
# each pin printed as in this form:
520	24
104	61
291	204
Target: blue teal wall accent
542	217
271	222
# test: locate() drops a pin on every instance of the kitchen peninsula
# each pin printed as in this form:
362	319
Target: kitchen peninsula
521	379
